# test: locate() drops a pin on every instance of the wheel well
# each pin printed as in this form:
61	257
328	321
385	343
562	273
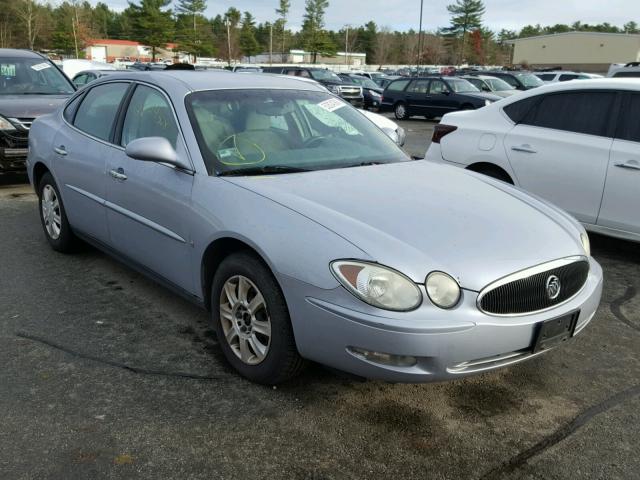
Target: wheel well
39	169
491	170
213	256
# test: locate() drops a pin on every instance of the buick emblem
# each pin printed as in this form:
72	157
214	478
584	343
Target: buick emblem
553	287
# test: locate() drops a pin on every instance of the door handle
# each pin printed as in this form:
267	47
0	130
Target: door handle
118	174
524	148
631	165
60	150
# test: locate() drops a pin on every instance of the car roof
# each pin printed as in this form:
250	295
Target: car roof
18	53
193	80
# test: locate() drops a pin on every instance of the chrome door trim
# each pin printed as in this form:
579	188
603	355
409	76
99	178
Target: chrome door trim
129	214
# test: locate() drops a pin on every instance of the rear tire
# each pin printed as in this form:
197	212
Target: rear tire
252	321
494	172
400	111
53	216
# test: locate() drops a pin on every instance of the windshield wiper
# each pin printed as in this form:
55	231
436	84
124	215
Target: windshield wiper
264	170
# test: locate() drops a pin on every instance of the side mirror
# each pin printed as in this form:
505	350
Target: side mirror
398	137
155	149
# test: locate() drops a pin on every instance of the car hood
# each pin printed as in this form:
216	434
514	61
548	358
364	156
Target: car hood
486	96
29	106
505	93
420	216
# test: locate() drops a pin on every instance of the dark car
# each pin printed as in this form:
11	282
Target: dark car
432	97
88	76
30	85
520	80
350	92
145	67
371	91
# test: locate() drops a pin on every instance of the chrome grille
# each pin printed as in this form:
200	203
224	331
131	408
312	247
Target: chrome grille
350	91
24	123
527	291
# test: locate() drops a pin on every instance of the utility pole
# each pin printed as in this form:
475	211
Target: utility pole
271	44
229	40
346	47
420	39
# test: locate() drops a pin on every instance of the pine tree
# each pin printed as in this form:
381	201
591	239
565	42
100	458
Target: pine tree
281	24
152	26
248	43
315	38
466	15
191	25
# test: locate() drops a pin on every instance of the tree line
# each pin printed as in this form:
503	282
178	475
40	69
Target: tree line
67	28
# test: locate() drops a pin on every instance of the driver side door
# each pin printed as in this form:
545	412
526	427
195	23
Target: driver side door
148	202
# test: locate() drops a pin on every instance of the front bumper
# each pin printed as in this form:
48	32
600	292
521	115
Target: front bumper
331	327
13	152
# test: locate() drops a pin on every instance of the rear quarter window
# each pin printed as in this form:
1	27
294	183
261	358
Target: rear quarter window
398	85
517	111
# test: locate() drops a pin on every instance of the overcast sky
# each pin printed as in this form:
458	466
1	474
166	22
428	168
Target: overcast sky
404	14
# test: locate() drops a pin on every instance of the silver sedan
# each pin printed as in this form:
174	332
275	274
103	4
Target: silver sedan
306	231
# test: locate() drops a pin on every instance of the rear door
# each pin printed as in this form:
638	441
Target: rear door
82	147
149	202
621	201
560	150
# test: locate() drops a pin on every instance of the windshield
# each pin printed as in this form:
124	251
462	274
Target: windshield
460	85
529	80
276	130
365	82
325	76
31	76
499	85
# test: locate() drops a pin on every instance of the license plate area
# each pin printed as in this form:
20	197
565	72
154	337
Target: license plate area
555	331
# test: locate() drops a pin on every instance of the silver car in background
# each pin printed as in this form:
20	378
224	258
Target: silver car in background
306	231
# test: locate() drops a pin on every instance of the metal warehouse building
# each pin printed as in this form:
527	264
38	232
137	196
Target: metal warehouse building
581	51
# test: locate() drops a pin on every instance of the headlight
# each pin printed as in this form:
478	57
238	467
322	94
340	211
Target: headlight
334	89
586	244
487	103
6	124
402	136
442	289
373	93
376	285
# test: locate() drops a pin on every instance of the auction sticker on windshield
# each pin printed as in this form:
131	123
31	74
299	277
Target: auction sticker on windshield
332	104
7	70
40	66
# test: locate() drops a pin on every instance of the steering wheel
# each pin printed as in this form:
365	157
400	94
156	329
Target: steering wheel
315	140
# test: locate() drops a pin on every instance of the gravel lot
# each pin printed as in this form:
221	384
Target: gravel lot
107	375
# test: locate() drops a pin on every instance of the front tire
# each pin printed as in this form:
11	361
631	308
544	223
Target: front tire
252	321
53	216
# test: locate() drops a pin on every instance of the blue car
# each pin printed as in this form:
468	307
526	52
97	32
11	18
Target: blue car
306	231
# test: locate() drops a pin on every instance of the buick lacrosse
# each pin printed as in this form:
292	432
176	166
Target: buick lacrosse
306	231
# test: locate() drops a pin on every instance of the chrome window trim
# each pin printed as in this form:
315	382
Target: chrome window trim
120	147
528	272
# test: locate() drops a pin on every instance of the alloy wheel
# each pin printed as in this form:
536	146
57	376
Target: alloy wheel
401	111
51	215
245	320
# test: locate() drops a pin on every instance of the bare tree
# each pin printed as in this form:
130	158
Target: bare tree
384	40
28	12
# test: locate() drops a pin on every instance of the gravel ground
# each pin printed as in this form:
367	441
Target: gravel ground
107	375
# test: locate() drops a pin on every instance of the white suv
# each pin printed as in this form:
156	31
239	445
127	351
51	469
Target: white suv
576	144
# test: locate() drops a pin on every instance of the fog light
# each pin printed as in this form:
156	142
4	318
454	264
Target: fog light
384	358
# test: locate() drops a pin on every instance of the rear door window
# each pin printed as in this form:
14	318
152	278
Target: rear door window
580	112
97	112
546	77
629	127
568	76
